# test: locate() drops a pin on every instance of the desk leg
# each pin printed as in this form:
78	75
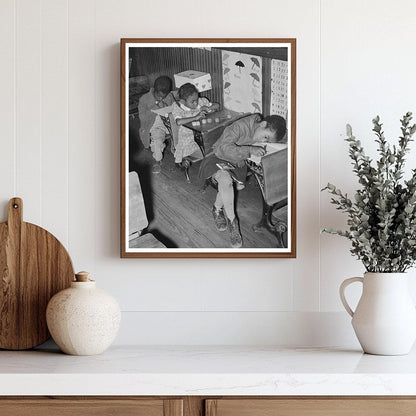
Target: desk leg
276	226
166	122
199	140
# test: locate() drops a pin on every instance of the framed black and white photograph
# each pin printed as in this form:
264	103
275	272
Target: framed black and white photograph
208	131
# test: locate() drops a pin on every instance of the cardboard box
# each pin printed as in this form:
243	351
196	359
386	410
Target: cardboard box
201	80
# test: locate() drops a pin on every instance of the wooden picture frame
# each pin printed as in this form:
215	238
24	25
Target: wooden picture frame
166	205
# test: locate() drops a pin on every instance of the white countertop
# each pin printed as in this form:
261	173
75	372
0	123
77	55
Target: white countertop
191	370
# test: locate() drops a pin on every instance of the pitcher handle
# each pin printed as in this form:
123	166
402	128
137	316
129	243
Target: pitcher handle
342	288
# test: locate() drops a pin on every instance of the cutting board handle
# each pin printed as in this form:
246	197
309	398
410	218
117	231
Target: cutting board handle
15	214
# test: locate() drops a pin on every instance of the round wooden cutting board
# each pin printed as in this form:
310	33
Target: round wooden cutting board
34	266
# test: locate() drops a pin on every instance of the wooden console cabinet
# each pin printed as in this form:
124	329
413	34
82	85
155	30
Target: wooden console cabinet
205	406
312	406
88	406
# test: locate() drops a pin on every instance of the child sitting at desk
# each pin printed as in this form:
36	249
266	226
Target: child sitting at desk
227	164
190	108
152	128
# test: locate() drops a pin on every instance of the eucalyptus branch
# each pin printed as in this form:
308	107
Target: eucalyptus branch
382	213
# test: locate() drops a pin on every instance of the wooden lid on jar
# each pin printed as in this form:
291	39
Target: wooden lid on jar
82	277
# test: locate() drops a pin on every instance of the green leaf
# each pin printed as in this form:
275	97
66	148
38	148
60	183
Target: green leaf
381	217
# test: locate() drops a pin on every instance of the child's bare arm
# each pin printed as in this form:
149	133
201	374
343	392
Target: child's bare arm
182	121
210	109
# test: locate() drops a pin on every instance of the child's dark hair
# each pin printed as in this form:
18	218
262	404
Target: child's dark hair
187	90
277	124
163	84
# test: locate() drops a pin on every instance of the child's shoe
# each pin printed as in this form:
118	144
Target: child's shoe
219	219
157	167
235	236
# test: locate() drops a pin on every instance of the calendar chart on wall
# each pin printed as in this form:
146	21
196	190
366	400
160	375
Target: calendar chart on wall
279	88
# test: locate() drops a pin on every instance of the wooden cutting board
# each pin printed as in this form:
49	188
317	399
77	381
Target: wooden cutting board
34	266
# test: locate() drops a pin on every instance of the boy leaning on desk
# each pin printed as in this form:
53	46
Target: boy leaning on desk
238	142
152	129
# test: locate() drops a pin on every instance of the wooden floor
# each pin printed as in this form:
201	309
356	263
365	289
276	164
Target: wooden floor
180	213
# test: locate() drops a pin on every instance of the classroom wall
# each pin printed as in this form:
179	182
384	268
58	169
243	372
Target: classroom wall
154	62
59	121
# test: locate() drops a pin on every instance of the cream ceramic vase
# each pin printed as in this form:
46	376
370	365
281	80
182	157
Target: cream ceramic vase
385	318
82	319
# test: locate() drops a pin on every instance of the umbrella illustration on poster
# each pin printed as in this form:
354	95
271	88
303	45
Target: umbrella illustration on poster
240	65
256	107
255	63
255	77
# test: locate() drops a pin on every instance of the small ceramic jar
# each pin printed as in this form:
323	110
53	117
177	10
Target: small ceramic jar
82	319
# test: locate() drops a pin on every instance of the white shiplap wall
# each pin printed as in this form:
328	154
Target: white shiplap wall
59	118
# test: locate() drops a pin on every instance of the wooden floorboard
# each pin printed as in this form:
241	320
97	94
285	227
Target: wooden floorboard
180	213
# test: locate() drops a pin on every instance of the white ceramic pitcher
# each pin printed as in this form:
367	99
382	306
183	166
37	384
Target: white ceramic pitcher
385	318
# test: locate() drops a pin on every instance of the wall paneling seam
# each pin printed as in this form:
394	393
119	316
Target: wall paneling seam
67	126
14	100
319	150
41	48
